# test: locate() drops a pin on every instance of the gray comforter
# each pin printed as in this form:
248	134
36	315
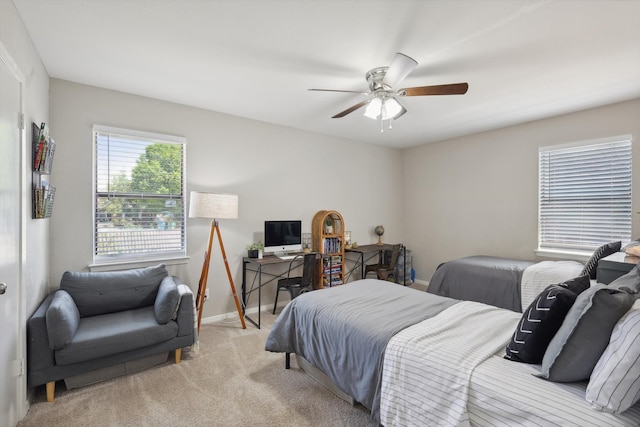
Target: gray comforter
491	280
343	331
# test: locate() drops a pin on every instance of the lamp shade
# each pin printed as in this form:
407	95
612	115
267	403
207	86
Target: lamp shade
213	205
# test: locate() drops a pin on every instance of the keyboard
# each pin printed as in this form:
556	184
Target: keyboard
283	255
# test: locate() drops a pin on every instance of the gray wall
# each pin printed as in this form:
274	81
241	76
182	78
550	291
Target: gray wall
478	194
35	233
18	44
278	173
465	196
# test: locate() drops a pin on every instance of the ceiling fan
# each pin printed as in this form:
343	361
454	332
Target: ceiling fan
382	102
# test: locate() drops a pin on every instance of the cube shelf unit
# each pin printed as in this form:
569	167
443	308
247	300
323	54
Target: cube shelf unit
328	241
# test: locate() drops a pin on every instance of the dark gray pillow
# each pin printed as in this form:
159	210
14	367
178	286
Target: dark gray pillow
62	319
577	346
591	266
630	281
167	300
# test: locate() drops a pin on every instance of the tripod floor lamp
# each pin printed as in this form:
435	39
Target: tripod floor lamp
214	206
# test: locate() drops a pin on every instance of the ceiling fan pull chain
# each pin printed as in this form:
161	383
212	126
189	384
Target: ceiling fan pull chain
381	124
390	124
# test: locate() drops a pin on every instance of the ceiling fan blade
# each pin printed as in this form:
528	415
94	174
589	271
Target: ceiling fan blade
338	90
400	68
450	89
351	109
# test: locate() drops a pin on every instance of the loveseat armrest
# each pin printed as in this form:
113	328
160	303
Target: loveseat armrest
39	353
185	318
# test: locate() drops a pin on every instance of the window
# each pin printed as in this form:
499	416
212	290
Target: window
139	196
584	194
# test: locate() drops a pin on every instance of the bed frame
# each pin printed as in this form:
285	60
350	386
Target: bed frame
319	376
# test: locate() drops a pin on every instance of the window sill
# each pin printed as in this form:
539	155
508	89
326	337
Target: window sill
559	254
139	263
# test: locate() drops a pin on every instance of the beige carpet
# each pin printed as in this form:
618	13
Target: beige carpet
230	381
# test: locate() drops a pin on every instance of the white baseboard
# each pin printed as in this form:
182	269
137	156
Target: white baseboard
234	314
420	285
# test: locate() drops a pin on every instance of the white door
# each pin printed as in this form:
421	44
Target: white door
11	342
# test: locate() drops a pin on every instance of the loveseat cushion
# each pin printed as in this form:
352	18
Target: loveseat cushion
105	292
108	334
62	319
167	300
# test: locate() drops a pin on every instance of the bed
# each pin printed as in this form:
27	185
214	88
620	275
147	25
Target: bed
414	358
502	282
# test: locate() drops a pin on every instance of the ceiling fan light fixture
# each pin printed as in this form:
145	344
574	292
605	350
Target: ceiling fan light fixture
374	109
391	109
387	108
382	103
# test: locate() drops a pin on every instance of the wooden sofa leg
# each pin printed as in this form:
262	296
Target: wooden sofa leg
178	355
51	389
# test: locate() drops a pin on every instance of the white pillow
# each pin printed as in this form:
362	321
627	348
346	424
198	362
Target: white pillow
615	382
537	277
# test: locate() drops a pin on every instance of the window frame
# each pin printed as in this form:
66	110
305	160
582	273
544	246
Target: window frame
580	254
107	262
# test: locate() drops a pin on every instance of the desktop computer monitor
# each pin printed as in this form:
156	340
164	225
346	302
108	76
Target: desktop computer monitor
282	236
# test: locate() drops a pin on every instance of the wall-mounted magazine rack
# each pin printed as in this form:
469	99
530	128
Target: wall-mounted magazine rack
44	148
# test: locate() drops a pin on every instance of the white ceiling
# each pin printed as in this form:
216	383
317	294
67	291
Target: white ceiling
523	60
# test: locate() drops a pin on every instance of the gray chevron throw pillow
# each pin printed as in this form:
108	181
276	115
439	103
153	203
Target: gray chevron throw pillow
591	266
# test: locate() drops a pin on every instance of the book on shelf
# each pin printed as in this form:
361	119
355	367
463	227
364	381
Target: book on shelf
333	282
47	156
43	197
48	201
40	146
332	245
329	264
44	149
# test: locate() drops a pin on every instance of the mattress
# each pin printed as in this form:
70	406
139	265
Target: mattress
347	332
501	282
344	330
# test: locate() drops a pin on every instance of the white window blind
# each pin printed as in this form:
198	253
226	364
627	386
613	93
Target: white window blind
139	195
585	194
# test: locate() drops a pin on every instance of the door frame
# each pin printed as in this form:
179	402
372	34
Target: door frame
23	404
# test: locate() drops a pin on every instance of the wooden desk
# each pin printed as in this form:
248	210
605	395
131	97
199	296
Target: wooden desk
366	253
257	266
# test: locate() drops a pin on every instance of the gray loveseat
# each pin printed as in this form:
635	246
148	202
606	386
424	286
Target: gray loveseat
105	322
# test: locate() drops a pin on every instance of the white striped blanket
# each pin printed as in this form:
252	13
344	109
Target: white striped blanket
505	393
427	367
